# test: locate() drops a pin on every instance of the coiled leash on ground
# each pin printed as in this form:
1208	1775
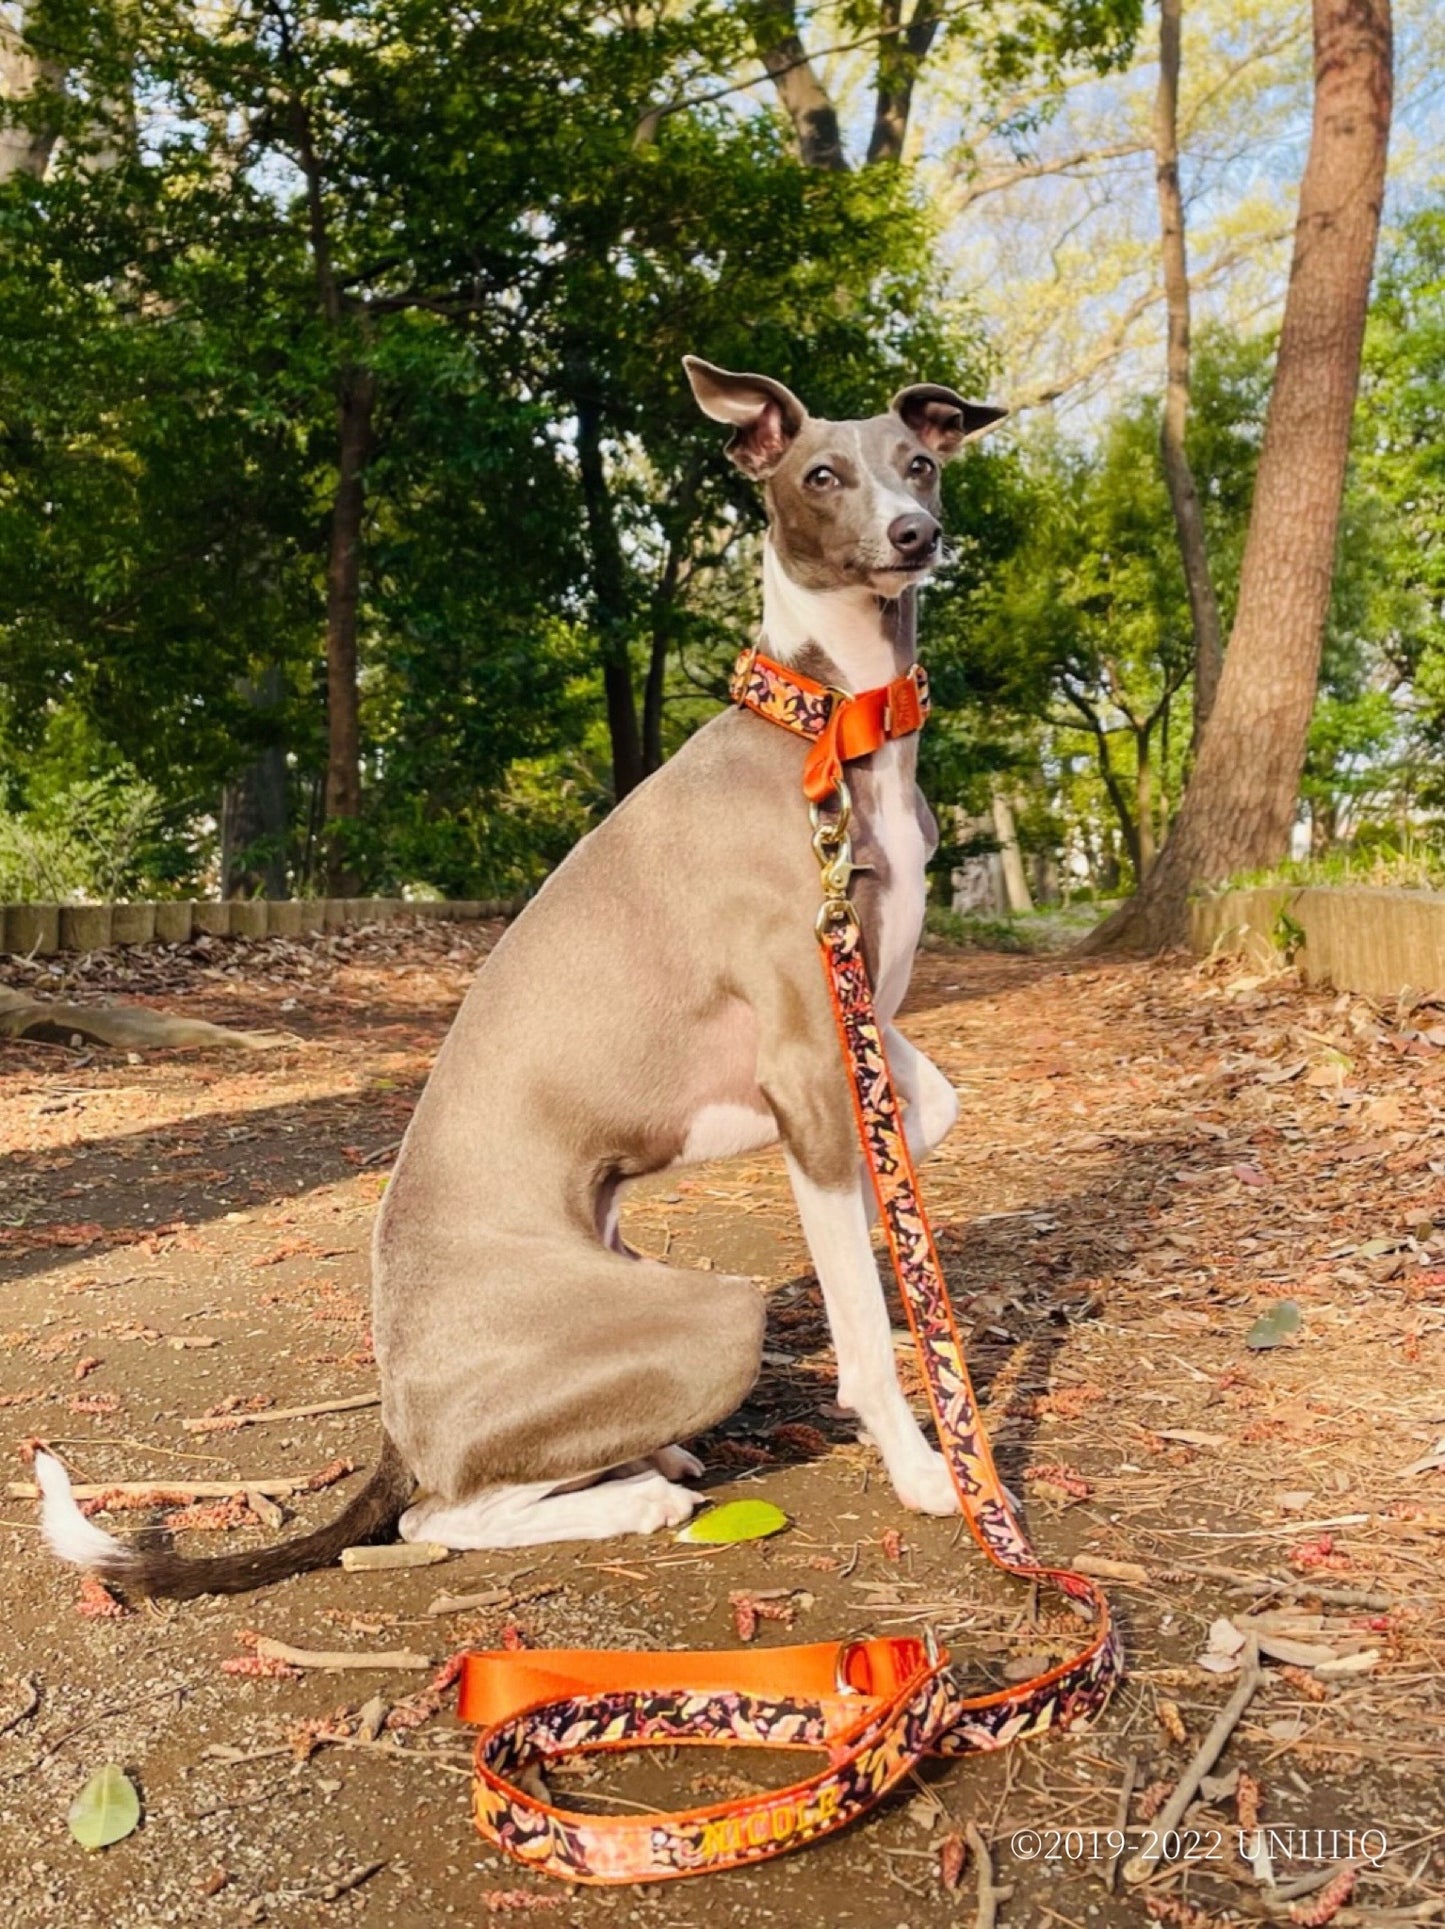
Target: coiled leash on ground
871	1707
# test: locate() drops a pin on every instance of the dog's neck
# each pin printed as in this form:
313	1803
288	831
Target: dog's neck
850	638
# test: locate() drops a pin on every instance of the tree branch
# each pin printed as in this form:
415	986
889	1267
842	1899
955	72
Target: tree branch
1038	170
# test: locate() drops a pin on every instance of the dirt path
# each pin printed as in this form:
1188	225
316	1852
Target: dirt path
1149	1157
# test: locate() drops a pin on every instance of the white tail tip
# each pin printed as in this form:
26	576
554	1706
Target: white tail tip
67	1532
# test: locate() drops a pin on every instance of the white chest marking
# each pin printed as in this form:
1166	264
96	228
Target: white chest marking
720	1131
896	829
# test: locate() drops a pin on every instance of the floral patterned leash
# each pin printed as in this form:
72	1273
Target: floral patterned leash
873	1708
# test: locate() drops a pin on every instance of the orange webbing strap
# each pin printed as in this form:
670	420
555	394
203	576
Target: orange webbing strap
872	1707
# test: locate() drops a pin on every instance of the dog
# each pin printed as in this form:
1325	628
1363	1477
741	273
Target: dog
658	1003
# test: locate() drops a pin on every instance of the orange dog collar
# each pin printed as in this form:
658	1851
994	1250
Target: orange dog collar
843	726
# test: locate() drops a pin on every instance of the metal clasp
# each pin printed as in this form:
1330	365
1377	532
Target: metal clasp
834	851
846	1651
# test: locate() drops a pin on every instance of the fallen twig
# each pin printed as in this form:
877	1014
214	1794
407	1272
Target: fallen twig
1140	1867
492	1597
336	1660
1121	1819
466	1603
281	1488
30	1686
393	1554
232	1422
346	1883
1257	1584
990	1895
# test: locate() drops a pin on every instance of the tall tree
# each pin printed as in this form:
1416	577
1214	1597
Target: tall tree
1243	794
1174	420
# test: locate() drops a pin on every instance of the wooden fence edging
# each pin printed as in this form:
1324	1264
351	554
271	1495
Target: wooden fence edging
40	930
1383	942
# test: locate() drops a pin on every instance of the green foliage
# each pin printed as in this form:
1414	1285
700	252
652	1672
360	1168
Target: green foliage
97	838
1054	929
407	188
1288	936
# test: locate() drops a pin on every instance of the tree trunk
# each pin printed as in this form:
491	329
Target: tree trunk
656	685
1183	495
901	52
356	402
814	117
610	603
1241	800
1015	882
25	150
253	804
1144	803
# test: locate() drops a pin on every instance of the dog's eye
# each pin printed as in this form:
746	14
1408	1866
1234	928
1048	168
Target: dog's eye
822	477
922	467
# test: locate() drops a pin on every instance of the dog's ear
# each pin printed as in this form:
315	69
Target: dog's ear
941	419
764	415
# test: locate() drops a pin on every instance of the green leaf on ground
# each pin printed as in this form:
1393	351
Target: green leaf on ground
1274	1326
735	1520
106	1810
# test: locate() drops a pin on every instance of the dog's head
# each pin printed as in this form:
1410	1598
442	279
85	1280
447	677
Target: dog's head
850	504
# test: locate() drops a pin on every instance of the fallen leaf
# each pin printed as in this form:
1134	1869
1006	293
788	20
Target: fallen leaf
1274	1326
106	1810
735	1520
1330	1074
1222	1654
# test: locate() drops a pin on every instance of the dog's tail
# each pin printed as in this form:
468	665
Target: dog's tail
74	1538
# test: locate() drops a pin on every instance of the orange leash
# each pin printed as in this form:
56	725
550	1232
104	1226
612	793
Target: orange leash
870	1708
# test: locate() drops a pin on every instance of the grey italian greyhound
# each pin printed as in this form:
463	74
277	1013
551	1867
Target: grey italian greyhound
660	1002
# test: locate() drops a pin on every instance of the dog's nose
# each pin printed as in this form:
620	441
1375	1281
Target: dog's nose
915	536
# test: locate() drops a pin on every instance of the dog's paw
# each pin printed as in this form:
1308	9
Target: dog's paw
676	1463
926	1487
660	1504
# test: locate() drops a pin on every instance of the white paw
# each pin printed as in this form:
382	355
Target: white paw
926	1486
676	1463
661	1504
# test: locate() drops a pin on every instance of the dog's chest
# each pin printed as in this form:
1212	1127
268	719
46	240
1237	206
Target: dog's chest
894	840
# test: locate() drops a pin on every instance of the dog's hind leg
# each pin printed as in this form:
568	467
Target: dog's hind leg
532	1514
581	1364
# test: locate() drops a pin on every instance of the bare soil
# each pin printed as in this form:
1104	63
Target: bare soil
1149	1157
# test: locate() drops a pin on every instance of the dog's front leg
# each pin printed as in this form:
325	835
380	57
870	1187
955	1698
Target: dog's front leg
835	1224
929	1100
